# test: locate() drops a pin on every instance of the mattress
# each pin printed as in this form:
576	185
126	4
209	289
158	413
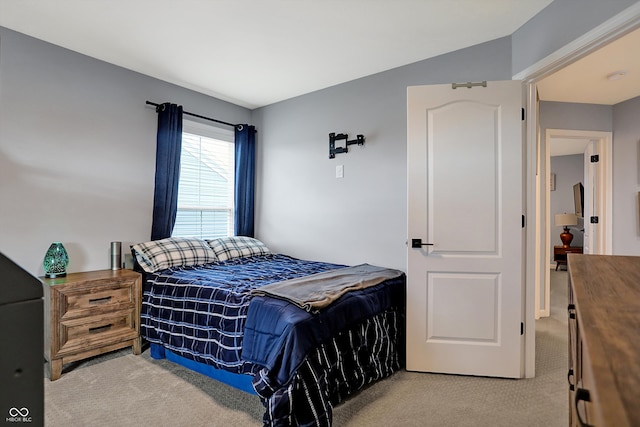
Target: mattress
199	312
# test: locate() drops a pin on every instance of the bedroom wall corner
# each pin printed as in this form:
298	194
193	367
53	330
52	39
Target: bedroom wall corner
303	209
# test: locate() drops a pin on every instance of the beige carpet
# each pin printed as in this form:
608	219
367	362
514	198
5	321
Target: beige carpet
120	389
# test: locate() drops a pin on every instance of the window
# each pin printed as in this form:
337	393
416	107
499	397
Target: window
206	186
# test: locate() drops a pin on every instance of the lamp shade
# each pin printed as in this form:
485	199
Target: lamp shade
565	219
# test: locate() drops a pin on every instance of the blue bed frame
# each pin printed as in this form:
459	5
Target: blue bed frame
239	381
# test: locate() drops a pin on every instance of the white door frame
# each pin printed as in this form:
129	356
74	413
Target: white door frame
616	27
604	141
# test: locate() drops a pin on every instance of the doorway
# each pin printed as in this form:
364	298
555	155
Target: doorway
596	178
536	248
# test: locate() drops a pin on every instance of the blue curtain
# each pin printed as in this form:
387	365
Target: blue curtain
169	146
245	170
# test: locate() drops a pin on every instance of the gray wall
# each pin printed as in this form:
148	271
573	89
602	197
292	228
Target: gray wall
558	24
77	151
77	147
307	212
622	120
566	115
573	116
626	177
304	210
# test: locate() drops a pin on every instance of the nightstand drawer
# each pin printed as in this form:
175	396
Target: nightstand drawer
82	333
106	297
573	250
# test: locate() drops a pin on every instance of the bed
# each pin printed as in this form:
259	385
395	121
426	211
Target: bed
301	335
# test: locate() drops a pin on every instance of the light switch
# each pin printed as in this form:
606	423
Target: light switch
340	171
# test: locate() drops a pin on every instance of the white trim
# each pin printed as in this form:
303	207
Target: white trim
604	149
208	130
545	313
531	275
545	212
621	24
624	22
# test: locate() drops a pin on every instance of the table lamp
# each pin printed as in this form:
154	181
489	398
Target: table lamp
565	220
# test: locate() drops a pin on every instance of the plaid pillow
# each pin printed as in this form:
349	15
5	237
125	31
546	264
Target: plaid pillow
237	247
173	251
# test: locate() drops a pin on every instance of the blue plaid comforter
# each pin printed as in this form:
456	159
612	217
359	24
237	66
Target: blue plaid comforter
200	312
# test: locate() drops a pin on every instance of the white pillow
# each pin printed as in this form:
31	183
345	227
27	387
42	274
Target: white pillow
173	251
237	247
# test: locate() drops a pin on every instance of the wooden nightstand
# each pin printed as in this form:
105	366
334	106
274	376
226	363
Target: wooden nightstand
90	313
560	254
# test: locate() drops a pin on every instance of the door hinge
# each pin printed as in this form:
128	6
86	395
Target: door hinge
523	114
468	85
521	328
524	221
595	158
593	220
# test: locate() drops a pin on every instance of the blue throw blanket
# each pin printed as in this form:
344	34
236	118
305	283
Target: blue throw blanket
313	293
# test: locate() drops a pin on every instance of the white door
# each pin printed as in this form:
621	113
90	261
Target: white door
465	197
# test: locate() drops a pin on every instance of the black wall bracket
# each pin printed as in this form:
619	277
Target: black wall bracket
345	149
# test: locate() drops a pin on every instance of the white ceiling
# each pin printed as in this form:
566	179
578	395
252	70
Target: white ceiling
586	80
257	52
567	146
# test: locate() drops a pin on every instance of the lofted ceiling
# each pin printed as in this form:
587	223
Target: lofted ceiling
257	52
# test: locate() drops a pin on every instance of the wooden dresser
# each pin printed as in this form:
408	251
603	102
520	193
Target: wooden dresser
90	313
604	340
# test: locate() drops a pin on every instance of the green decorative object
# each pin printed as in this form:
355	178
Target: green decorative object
56	261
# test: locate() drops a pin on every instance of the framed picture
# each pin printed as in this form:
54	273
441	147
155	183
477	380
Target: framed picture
552	182
578	199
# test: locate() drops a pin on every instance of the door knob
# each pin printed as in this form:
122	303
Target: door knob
417	243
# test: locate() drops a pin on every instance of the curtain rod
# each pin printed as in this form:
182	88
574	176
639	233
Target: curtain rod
200	117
